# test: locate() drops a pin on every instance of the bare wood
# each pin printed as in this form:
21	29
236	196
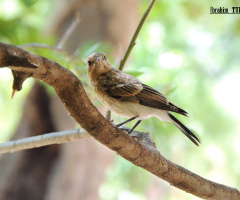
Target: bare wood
43	140
69	31
136	150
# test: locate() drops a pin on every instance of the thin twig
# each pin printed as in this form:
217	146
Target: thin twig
62	42
69	31
54	48
135	35
44	46
43	140
133	42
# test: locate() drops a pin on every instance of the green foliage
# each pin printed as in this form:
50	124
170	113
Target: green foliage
20	22
134	73
185	48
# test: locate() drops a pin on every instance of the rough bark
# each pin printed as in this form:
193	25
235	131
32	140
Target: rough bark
136	150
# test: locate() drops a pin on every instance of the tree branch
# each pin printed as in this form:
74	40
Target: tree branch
135	35
69	31
43	140
135	149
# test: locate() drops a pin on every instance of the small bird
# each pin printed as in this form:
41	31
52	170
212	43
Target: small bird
128	97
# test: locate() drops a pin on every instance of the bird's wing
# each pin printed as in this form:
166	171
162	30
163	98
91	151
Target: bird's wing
152	95
126	88
152	98
120	85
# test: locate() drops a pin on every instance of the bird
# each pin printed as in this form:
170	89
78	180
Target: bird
128	97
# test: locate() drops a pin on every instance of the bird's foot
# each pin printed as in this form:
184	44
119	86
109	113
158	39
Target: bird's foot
125	129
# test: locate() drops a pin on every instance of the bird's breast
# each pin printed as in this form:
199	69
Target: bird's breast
123	108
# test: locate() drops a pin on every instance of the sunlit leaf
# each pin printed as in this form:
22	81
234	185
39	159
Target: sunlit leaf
134	73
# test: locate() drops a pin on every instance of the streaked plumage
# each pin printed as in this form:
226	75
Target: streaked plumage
128	97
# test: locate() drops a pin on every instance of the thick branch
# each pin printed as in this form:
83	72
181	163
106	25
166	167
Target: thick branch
139	152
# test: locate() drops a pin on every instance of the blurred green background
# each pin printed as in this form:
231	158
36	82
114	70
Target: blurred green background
189	55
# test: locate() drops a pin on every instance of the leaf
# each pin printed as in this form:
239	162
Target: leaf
92	49
134	73
168	89
29	3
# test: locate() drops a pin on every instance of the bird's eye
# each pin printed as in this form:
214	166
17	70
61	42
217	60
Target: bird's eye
90	62
104	57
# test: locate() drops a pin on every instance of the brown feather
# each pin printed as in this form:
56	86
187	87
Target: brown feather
128	97
118	84
126	88
152	98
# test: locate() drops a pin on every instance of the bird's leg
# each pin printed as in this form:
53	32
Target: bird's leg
126	121
138	122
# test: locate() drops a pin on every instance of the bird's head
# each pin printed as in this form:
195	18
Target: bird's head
97	64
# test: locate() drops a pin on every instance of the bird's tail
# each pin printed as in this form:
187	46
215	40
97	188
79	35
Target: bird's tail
184	129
